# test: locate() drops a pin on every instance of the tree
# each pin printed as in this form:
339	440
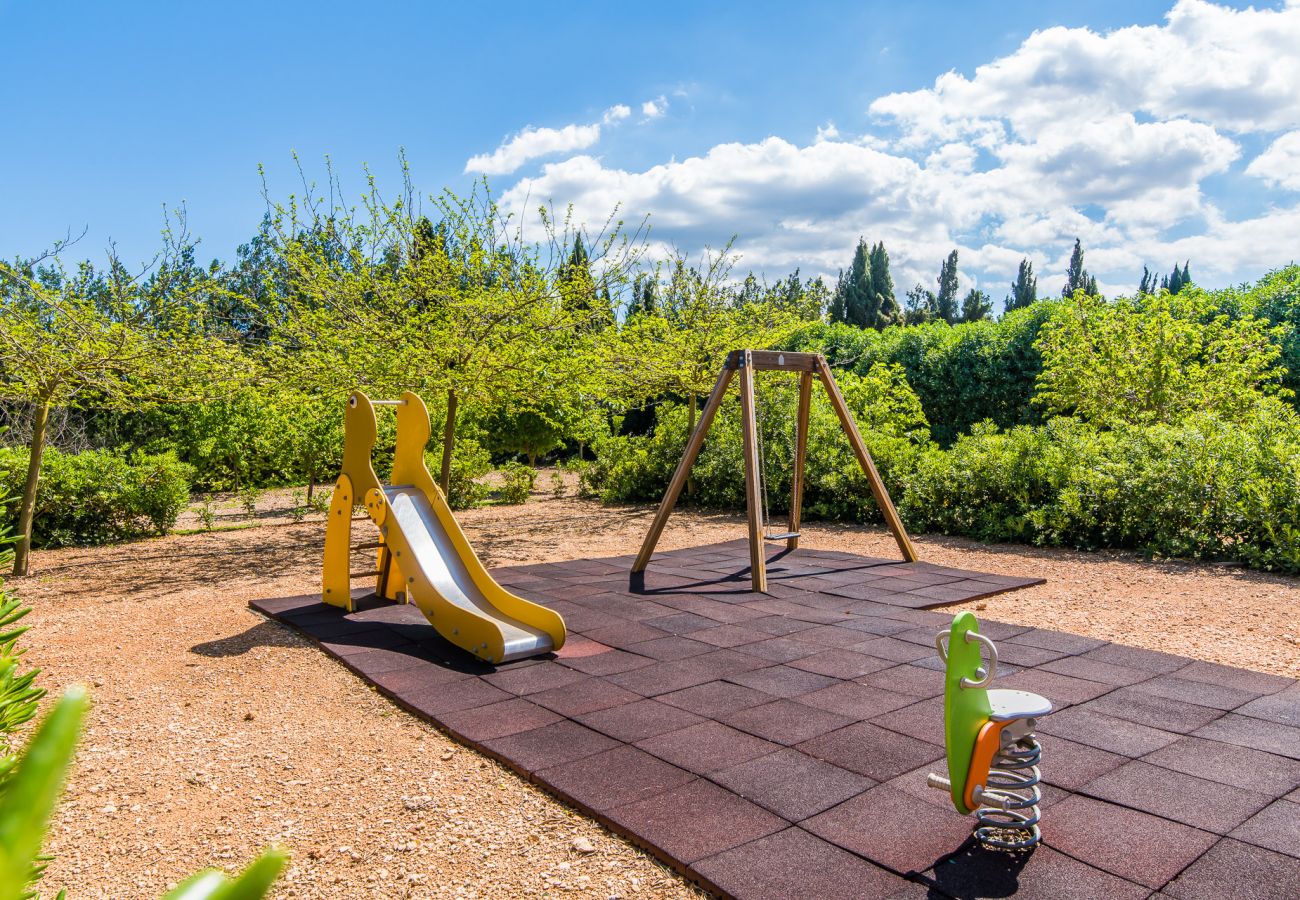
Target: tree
946	299
884	303
864	296
1076	276
70	339
1024	290
922	306
1176	280
1148	283
835	312
976	306
857	288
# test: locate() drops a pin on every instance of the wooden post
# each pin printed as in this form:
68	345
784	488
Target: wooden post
800	455
683	470
864	459
753	476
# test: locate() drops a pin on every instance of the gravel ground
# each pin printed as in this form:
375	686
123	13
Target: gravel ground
215	732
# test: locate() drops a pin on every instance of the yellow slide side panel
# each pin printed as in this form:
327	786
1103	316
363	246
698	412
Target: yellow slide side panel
336	584
413	431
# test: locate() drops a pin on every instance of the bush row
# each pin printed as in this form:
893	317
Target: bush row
97	497
1204	488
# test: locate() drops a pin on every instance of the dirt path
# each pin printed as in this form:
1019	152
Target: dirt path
215	732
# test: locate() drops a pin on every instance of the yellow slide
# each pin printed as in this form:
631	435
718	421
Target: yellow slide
423	554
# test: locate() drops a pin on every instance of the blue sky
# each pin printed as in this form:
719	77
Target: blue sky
793	127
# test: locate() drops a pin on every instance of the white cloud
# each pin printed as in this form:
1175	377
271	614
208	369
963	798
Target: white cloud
653	109
1279	165
1106	137
616	113
827	132
532	143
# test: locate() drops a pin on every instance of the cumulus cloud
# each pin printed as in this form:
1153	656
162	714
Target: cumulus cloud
1279	165
1108	137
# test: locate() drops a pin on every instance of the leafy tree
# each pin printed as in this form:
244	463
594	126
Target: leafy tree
1076	276
946	299
1024	290
1156	359
922	306
71	339
976	306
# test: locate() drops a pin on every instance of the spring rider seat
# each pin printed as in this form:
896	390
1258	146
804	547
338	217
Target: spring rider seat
993	754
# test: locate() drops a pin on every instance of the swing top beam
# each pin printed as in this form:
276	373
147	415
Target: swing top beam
773	361
744	363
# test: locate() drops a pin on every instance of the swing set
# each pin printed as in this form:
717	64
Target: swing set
746	362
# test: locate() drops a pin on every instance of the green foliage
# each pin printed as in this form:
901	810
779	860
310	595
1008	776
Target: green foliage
558	487
517	482
469	463
207	515
1276	299
98	497
1156	359
248	497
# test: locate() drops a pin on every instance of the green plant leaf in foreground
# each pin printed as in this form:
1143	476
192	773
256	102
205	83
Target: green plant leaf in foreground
252	884
32	792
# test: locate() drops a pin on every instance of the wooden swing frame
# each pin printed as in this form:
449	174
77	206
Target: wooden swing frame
746	362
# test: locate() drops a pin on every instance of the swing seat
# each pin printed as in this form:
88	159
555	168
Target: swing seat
781	536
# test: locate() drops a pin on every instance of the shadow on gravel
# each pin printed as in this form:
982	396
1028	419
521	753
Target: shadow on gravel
263	634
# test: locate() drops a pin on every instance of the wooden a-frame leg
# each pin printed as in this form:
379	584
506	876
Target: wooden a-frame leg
753	484
683	469
800	455
878	491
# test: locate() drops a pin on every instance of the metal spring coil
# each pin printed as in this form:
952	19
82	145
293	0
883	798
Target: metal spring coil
1013	774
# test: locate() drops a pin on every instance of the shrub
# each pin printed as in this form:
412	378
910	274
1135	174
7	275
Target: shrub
558	487
248	497
98	497
517	482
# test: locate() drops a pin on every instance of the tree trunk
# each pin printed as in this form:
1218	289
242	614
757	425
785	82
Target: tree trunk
448	442
690	430
27	511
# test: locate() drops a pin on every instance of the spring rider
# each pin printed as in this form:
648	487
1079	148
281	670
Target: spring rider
993	754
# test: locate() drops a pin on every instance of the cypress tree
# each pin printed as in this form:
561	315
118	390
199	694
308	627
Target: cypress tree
858	300
946	299
835	312
1076	276
1148	284
1024	290
882	289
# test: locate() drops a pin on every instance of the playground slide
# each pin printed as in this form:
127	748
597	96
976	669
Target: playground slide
442	583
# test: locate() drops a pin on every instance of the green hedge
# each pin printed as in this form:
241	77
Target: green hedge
97	497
